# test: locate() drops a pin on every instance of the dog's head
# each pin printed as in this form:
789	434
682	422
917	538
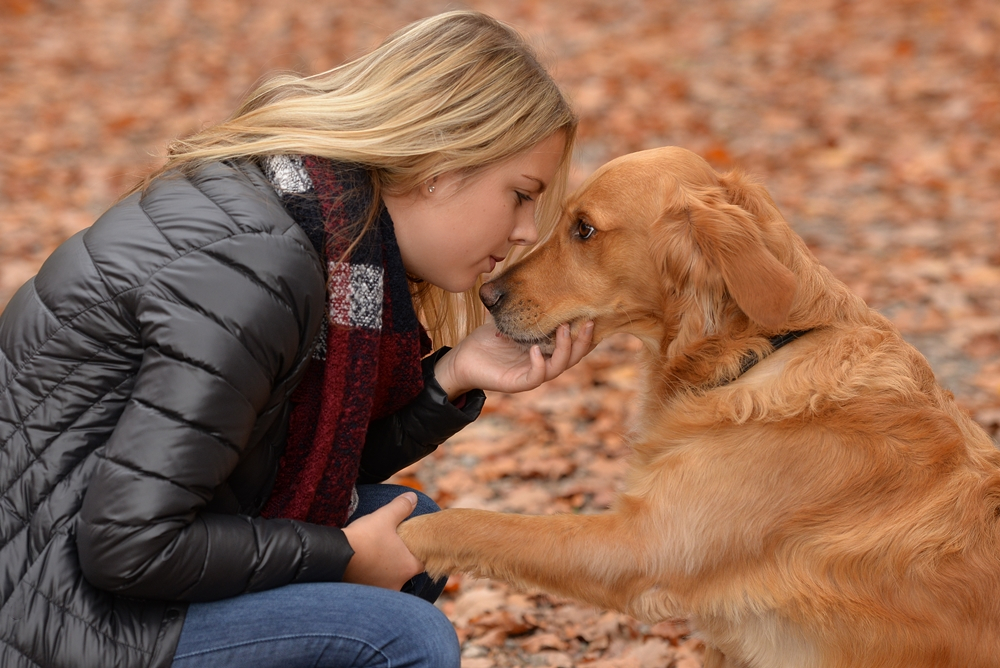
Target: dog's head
654	243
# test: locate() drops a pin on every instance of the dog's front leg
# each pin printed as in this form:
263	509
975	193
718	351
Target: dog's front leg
598	559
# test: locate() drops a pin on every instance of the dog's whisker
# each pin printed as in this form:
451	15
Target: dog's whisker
545	332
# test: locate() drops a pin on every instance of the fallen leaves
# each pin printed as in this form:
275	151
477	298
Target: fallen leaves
503	628
873	125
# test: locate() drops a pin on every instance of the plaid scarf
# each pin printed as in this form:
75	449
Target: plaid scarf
367	361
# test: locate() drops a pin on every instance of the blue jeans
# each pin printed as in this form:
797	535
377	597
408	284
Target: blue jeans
325	624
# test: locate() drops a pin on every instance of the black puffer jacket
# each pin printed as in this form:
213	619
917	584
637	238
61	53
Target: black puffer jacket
144	382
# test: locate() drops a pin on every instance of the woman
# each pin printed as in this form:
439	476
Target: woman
199	391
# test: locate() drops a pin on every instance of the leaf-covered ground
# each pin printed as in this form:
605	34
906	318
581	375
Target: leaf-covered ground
874	125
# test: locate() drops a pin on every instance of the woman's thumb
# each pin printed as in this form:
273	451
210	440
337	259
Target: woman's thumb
402	506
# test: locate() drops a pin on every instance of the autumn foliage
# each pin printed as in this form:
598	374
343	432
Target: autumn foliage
873	124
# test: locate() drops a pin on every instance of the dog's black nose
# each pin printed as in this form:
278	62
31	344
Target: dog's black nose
491	294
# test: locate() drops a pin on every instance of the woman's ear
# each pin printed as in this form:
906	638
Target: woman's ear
730	238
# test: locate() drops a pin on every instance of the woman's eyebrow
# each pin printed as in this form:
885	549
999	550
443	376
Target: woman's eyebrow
541	184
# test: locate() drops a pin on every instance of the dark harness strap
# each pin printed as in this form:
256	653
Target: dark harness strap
776	342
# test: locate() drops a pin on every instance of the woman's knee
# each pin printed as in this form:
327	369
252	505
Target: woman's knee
425	505
373	497
421	636
436	639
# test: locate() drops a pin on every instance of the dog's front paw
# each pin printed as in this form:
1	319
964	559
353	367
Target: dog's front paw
411	534
418	534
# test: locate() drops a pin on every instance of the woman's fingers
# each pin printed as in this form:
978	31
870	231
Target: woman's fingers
560	357
490	361
537	371
569	350
380	557
583	343
399	508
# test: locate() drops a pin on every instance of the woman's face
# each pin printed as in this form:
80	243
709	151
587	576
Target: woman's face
450	236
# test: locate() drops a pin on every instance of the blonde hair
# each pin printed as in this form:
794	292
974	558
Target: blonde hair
456	91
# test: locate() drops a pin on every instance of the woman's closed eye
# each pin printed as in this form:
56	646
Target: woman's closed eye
523	197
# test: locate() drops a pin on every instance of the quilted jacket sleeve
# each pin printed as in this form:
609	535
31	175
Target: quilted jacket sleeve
413	432
224	327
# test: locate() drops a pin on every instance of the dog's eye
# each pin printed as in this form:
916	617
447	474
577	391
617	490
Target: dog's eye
584	230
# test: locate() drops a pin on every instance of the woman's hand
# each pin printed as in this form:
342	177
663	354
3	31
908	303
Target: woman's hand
380	557
487	360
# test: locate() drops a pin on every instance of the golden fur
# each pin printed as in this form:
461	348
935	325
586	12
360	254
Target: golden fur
830	507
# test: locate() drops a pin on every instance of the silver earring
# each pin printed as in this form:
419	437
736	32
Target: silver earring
430	188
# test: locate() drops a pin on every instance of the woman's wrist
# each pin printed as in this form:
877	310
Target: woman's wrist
446	376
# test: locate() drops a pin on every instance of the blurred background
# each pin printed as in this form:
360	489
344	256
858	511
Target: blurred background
875	126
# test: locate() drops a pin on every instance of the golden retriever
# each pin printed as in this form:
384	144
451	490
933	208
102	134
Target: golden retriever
829	505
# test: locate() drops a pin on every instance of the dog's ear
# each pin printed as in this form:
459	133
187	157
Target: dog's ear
729	237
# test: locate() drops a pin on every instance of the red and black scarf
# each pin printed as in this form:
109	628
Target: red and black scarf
367	359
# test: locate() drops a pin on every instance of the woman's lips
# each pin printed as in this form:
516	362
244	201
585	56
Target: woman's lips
494	261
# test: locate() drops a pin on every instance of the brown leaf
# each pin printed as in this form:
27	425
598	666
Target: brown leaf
539	641
672	630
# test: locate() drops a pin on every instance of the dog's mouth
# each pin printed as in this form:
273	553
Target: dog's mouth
523	321
527	340
545	341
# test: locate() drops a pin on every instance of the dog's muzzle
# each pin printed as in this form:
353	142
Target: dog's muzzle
491	294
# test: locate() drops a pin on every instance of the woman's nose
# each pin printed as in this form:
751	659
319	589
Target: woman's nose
525	232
